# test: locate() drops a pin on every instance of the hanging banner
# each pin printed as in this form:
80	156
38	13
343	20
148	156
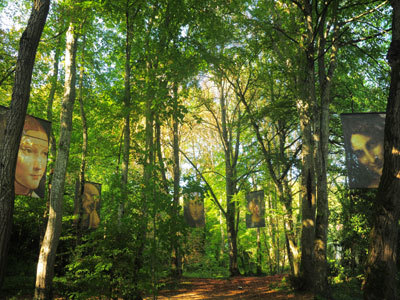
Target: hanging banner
91	205
255	216
30	171
363	141
193	210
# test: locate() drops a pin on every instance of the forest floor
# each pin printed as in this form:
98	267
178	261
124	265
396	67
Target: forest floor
268	287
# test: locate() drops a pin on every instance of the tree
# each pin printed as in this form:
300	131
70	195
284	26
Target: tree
326	26
47	256
276	138
79	189
227	120
10	138
177	258
129	16
381	268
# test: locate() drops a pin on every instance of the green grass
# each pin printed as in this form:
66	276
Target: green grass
214	274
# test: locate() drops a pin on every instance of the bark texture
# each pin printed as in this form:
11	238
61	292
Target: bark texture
381	271
231	156
325	70
177	259
10	138
307	189
78	213
47	255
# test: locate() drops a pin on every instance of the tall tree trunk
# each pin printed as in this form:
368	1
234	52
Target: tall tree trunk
222	230
230	189
259	254
325	77
127	107
281	184
148	193
53	144
381	271
160	158
271	221
177	261
306	111
45	267
10	138
307	189
81	180
292	248
50	101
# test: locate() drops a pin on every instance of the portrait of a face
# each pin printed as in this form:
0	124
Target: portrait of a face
91	205
363	137
194	210
32	158
368	151
30	171
255	209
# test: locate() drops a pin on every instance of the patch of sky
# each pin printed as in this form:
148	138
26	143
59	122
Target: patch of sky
13	15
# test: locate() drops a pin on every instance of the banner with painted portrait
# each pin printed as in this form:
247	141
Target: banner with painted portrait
193	209
30	171
363	141
255	216
91	198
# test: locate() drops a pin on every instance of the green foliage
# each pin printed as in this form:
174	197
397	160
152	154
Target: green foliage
104	265
347	290
191	184
173	42
24	246
351	232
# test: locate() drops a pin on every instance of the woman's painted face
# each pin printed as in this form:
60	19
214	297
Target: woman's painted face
254	208
32	158
90	195
369	153
196	208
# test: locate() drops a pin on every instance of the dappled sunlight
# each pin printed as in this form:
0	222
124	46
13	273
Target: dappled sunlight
395	151
308	223
268	287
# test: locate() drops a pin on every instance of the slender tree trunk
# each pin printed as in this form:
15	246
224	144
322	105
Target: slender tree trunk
322	141
81	180
177	261
230	190
381	270
10	138
148	192
222	230
50	101
259	255
292	248
160	158
307	189
127	105
276	235
275	244
45	267
280	181
53	145
305	107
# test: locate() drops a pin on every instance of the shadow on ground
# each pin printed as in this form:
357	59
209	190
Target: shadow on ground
268	287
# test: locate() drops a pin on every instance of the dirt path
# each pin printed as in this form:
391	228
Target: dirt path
269	287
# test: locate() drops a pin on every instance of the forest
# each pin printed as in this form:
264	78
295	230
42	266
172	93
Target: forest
184	140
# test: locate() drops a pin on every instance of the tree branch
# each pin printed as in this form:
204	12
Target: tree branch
206	182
